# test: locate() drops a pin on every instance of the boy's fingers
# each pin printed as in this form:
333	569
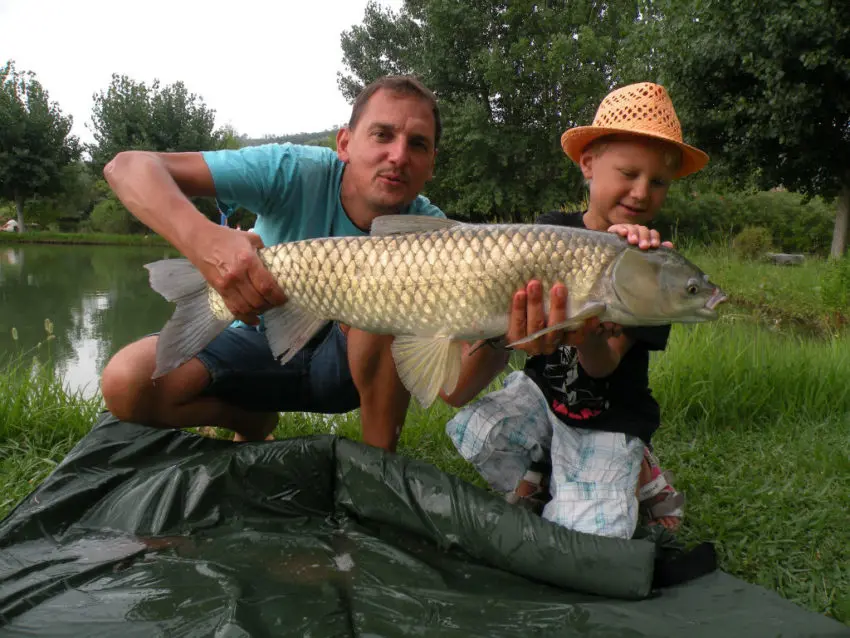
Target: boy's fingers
536	317
557	314
517	324
654	238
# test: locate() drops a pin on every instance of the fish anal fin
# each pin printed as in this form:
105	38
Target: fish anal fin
426	365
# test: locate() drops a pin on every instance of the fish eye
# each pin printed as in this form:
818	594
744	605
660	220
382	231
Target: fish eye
693	288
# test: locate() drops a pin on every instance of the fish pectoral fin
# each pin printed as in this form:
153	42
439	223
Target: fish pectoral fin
427	364
591	309
289	328
401	224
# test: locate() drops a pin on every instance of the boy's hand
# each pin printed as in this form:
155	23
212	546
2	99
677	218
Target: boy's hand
527	317
641	236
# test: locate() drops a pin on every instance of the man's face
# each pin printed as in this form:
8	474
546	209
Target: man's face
390	152
628	182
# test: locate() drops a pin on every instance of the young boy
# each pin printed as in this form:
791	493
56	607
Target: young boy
585	414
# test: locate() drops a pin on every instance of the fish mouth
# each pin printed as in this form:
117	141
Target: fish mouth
716	299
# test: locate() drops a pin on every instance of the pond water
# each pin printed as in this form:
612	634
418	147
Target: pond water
97	298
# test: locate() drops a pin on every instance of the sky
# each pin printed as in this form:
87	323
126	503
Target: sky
265	66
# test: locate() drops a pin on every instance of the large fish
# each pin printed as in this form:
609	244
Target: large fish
434	283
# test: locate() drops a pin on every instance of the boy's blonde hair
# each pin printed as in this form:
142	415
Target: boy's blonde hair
671	154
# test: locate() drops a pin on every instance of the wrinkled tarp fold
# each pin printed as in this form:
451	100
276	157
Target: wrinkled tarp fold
146	532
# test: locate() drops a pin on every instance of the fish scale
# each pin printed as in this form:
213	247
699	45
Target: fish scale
434	283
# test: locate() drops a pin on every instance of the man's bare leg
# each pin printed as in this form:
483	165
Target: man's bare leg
173	401
383	397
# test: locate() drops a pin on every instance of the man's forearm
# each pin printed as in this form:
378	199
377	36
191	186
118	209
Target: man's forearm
143	184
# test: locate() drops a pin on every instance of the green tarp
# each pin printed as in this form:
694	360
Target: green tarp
145	532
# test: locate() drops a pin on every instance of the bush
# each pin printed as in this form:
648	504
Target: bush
109	216
707	217
752	242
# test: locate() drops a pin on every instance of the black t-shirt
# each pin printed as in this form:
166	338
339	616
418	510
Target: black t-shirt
620	402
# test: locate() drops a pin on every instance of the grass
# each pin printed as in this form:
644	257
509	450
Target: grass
785	296
39	423
100	239
756	427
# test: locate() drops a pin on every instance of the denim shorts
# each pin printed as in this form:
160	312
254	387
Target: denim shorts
244	372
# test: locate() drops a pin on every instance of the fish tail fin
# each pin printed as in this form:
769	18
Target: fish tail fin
193	324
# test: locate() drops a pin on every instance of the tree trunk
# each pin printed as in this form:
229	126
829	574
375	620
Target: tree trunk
842	217
19	205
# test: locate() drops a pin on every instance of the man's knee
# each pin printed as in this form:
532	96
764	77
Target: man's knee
124	377
129	391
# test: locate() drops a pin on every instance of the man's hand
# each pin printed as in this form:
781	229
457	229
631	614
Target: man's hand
527	317
641	236
228	260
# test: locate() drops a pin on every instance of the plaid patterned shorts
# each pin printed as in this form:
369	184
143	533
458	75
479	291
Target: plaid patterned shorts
594	473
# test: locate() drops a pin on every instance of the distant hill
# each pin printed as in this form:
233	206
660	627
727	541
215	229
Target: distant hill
317	138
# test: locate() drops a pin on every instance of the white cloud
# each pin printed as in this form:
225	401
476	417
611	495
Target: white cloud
266	67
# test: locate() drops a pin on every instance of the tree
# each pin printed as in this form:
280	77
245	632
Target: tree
36	146
510	78
764	89
130	115
70	202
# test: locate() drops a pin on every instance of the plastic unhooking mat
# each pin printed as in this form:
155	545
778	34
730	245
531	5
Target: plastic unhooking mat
144	532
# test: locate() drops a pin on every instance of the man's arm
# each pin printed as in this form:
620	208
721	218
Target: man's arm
155	188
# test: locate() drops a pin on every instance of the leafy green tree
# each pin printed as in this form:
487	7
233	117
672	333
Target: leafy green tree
131	115
763	88
36	145
73	200
510	77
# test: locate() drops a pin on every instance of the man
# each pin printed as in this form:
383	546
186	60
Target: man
384	158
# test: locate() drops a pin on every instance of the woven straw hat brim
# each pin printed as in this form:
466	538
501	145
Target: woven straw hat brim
575	140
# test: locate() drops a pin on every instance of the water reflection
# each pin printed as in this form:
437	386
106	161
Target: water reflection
97	297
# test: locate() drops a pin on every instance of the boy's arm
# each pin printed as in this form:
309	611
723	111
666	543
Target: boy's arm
601	352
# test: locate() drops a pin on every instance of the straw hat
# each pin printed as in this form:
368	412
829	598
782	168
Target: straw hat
638	109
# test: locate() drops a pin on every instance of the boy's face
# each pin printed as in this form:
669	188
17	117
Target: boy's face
628	181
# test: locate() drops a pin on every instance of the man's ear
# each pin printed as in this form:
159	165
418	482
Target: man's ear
343	136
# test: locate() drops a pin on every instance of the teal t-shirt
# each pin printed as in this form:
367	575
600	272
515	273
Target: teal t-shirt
294	190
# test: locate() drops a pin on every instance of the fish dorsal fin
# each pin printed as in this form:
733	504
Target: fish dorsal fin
401	224
427	364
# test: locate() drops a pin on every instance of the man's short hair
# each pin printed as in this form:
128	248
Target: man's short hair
403	84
